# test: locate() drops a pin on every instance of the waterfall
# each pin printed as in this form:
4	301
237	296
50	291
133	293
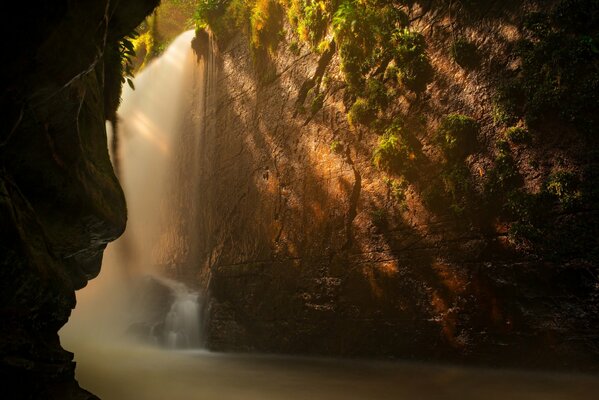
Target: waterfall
163	122
161	128
182	322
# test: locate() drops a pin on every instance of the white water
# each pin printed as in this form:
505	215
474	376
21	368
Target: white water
182	324
161	125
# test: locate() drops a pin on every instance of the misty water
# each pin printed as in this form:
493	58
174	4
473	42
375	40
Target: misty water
162	124
132	371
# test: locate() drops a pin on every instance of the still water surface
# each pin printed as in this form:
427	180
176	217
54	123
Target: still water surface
132	371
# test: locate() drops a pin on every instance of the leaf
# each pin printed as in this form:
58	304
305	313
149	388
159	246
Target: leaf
128	45
130	83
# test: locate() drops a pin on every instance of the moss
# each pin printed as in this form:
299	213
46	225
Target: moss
393	154
317	102
323	46
504	176
294	48
564	187
379	217
224	17
361	112
409	50
508	102
457	183
363	32
377	93
518	135
457	135
266	21
397	188
392	71
207	11
311	18
560	73
149	44
540	224
354	33
352	66
523	208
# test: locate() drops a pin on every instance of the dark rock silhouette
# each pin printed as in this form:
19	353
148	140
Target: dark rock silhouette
60	202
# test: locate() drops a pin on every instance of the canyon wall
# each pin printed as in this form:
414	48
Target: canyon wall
308	247
60	201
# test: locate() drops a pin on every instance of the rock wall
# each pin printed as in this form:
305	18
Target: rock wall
60	201
307	250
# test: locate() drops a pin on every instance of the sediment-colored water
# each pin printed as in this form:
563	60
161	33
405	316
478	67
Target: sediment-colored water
131	371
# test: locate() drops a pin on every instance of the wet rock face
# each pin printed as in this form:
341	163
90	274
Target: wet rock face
60	202
308	251
152	300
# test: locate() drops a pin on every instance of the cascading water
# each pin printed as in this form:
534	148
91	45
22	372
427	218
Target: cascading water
161	125
182	323
165	129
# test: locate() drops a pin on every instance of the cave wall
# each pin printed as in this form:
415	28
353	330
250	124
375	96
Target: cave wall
306	250
60	201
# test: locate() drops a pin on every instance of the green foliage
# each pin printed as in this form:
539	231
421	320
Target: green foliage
565	187
364	110
504	176
540	224
323	46
266	21
354	34
127	55
224	17
379	217
408	45
377	93
392	71
409	49
294	48
361	112
208	11
317	102
149	44
518	135
560	65
457	135
262	20
456	183
526	212
464	53
352	65
393	154
352	23
397	188
362	31
311	17
507	102
544	223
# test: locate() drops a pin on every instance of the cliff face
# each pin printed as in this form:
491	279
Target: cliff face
60	201
310	247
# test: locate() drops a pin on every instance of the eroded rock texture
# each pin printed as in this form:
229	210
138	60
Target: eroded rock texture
307	250
60	202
